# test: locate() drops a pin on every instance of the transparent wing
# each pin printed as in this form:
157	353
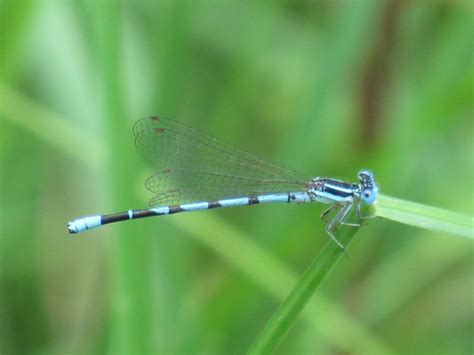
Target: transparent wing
195	167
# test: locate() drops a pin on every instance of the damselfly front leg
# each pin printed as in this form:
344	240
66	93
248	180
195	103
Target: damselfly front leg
326	212
350	224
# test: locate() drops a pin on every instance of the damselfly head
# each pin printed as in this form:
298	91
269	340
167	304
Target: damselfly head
368	188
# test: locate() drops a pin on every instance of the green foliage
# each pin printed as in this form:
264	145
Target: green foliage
327	88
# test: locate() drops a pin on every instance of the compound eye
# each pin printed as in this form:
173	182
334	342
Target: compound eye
368	196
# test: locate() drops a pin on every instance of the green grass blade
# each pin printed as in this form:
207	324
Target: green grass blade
424	216
285	316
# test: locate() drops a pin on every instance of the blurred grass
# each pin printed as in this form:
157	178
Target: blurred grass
51	128
74	76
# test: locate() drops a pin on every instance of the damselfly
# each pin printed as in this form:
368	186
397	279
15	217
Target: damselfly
198	172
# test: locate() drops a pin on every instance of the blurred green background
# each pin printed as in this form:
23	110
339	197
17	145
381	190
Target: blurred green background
325	87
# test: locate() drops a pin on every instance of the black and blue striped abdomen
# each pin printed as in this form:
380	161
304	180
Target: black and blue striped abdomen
85	223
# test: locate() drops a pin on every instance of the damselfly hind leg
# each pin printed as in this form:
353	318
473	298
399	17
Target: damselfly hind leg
338	219
327	211
330	226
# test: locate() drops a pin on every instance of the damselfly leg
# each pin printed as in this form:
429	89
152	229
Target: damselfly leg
338	219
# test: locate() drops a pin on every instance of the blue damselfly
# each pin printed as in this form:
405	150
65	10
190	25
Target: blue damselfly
197	172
